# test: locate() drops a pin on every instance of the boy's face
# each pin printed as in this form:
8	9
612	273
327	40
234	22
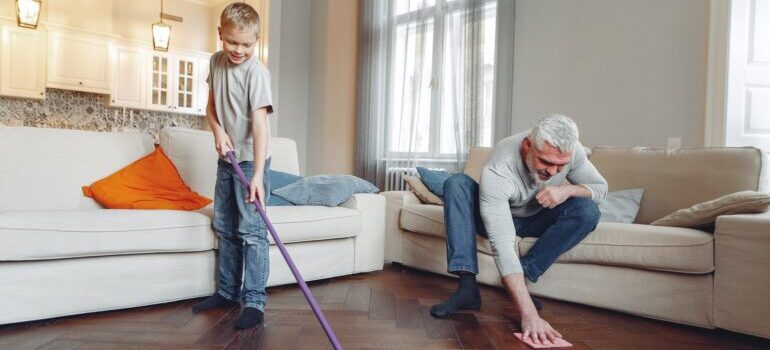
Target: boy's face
238	43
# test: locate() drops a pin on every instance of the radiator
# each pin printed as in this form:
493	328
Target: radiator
394	178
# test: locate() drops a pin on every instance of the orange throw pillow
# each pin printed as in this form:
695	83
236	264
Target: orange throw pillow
151	182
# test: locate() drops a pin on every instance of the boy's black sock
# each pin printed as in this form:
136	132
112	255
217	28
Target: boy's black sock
250	318
466	297
211	302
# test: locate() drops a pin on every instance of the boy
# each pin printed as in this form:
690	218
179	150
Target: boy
238	104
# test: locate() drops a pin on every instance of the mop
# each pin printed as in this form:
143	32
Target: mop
302	285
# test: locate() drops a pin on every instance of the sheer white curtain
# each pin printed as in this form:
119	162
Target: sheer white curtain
427	83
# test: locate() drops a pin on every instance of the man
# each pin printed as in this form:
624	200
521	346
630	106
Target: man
522	191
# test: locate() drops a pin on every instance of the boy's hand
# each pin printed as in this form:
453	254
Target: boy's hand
222	143
257	190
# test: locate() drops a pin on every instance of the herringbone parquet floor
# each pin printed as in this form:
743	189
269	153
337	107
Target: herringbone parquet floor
382	310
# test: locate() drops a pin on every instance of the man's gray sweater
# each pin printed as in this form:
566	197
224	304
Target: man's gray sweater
508	190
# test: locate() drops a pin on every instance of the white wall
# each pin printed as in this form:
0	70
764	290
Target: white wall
133	19
295	74
319	50
333	84
630	72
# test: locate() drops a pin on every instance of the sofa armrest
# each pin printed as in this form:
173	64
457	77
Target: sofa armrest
742	273
369	244
393	232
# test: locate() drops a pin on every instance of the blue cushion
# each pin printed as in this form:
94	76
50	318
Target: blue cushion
434	179
280	179
621	206
328	190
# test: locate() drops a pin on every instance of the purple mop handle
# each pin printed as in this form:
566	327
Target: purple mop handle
302	285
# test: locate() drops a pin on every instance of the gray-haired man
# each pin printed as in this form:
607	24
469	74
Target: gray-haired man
522	192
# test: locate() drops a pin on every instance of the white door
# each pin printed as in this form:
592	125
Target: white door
748	76
159	92
185	84
129	80
78	62
202	94
23	63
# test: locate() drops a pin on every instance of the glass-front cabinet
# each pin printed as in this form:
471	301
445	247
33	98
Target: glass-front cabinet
160	89
173	81
186	84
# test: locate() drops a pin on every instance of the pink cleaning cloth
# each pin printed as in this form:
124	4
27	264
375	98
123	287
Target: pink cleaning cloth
560	343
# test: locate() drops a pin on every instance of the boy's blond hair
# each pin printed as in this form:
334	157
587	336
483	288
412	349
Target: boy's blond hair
241	15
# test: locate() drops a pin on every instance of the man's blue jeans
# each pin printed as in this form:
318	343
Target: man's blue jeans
559	229
243	244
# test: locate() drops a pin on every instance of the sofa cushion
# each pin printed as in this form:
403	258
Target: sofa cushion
193	154
428	219
42	235
621	206
151	182
421	191
706	213
648	247
309	223
326	190
434	179
641	246
673	180
477	158
45	168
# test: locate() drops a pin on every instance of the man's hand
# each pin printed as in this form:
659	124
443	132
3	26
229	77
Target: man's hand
538	330
533	327
551	196
257	190
222	143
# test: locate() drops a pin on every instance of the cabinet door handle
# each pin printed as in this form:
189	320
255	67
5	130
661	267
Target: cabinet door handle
80	82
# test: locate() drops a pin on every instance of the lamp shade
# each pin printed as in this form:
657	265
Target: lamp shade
161	36
28	13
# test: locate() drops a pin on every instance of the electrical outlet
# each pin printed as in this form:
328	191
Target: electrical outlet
674	143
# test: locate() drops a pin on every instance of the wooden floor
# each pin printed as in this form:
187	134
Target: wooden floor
383	310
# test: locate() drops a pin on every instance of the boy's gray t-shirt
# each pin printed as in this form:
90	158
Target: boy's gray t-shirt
238	91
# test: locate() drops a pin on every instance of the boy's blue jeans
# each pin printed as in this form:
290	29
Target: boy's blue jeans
243	244
559	229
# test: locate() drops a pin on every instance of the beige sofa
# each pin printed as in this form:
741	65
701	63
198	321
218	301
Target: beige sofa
62	254
675	274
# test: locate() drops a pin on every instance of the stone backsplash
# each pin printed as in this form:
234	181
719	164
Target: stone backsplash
67	109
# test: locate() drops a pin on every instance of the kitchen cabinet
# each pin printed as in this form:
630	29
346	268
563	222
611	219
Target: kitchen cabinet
22	62
78	62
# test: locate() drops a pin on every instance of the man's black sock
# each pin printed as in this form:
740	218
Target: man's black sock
250	318
211	302
466	297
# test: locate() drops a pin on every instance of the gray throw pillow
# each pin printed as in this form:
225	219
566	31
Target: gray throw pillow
621	206
328	190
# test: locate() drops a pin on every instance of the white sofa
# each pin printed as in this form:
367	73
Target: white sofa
63	254
669	273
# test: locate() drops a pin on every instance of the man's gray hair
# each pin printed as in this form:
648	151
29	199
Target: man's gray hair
558	130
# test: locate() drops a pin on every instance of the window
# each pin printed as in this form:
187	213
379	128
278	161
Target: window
428	67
